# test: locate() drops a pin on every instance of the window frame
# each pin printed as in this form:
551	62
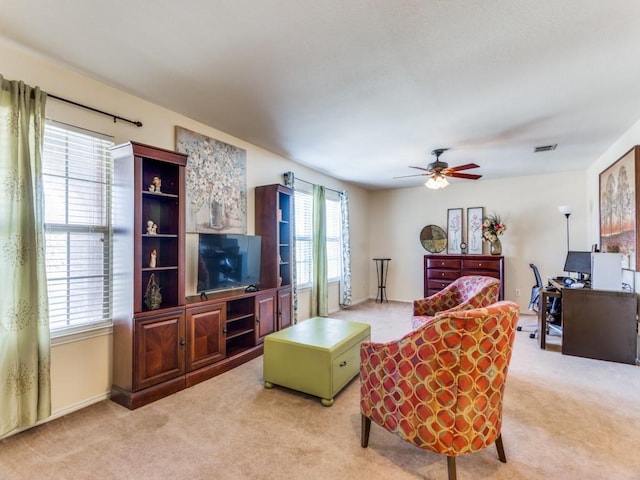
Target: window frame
299	238
61	188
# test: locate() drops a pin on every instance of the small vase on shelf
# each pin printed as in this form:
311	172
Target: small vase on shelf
495	247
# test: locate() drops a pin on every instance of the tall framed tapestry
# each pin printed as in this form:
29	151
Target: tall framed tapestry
619	208
216	184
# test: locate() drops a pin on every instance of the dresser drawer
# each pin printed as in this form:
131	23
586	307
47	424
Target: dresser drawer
484	273
437	284
443	274
442	263
483	265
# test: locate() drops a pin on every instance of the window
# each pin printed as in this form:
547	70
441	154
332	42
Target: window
77	176
334	240
303	202
304	240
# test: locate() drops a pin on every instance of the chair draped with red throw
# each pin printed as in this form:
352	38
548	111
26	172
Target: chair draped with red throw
464	293
441	386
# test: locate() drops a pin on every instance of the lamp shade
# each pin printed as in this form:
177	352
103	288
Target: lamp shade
436	182
565	210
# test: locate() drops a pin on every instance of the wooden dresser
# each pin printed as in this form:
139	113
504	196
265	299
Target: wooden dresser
441	270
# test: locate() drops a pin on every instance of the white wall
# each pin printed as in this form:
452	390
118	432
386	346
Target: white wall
81	370
536	230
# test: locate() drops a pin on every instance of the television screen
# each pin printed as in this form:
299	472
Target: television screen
578	262
227	261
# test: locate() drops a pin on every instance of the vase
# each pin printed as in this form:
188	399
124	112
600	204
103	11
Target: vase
216	213
495	247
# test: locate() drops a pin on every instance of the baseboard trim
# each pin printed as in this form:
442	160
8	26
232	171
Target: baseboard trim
62	412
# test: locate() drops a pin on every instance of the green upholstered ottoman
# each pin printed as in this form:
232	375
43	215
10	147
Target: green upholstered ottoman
318	356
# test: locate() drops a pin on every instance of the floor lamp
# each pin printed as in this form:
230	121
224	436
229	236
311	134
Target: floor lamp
566	211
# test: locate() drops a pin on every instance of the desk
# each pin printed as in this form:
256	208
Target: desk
599	324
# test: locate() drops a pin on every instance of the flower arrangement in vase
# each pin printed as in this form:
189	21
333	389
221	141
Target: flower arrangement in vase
492	228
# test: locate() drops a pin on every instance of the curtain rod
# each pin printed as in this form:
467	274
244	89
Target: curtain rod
298	179
115	117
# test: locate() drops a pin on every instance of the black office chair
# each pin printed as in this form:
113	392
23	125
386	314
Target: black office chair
533	302
552	313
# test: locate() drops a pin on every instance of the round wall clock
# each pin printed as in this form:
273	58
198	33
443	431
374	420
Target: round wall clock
433	239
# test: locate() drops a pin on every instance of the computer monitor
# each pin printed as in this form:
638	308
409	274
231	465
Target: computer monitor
578	262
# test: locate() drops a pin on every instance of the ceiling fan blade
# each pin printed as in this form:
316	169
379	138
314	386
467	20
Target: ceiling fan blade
417	175
421	168
469	176
466	166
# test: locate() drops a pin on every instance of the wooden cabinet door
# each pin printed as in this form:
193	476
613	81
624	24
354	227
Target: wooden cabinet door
159	349
265	316
284	308
205	337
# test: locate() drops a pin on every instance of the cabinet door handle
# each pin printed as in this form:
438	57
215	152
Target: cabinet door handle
257	320
343	363
183	342
224	330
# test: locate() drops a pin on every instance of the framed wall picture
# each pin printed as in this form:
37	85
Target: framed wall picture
474	230
454	230
215	183
619	208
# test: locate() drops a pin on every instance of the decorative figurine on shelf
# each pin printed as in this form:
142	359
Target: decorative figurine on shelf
154	259
152	295
156	183
152	228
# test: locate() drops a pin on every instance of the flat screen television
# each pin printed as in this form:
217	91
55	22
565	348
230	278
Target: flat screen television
227	261
578	262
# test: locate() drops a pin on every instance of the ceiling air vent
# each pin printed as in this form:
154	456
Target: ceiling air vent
545	148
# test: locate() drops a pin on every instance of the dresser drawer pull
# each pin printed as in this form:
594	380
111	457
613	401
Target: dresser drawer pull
343	363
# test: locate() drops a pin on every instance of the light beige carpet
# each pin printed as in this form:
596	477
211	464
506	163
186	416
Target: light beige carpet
564	418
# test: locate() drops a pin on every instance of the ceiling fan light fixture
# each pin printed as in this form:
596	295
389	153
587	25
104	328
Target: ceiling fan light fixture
436	182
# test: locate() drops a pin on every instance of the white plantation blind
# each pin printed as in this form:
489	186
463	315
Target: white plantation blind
303	221
303	202
77	175
334	239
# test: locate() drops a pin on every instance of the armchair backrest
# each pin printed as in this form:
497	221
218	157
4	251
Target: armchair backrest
441	386
471	291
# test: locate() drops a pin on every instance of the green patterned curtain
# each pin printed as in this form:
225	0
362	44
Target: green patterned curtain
346	249
25	390
319	288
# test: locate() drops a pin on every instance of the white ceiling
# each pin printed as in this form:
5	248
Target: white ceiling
361	89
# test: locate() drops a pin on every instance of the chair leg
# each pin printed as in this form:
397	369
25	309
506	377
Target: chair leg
451	466
364	432
500	449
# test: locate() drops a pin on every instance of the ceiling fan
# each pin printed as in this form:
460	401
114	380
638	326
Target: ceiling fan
438	171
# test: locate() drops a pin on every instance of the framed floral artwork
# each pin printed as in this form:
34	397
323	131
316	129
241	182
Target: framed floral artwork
619	210
454	230
474	230
216	184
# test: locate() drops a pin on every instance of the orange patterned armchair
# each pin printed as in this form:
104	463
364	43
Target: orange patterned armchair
440	387
464	293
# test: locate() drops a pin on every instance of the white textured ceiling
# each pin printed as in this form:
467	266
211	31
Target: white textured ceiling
361	89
